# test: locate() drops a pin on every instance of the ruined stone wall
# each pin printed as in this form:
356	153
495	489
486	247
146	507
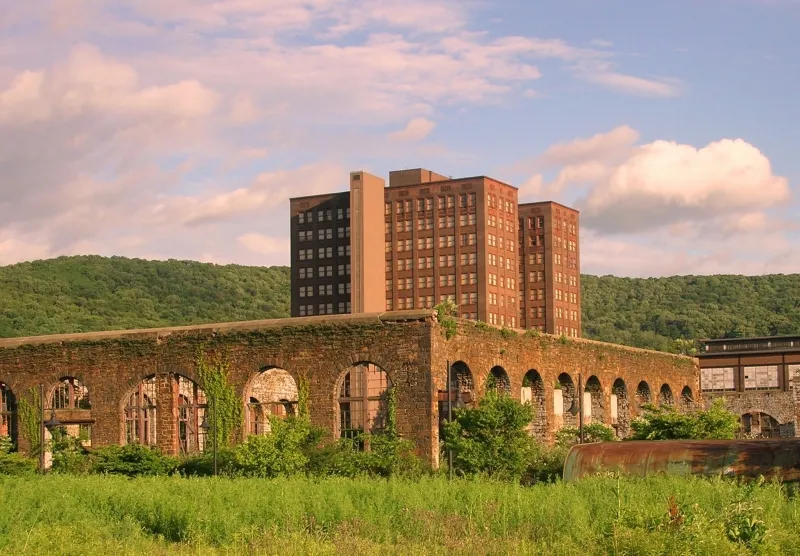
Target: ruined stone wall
319	349
482	347
409	345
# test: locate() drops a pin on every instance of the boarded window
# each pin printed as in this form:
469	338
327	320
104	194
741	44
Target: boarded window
717	379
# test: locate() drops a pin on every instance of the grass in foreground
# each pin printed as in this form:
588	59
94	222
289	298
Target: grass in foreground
108	515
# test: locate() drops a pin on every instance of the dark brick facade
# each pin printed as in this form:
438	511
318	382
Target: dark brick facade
410	346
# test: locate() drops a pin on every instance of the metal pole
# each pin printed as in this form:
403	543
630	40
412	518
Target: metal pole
580	406
41	428
449	419
214	411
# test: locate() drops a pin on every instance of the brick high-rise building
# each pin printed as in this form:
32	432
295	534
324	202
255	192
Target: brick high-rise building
549	270
458	239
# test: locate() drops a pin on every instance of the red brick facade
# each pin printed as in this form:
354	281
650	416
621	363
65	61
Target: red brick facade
409	346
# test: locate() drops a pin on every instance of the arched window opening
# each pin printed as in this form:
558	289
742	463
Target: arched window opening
643	395
687	398
191	410
461	383
176	396
70	393
620	415
759	425
533	392
273	393
363	395
665	396
564	396
594	403
8	413
498	380
140	414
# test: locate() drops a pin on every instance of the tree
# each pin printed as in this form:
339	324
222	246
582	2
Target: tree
666	423
491	439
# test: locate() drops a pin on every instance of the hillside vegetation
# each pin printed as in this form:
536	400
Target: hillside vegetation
88	293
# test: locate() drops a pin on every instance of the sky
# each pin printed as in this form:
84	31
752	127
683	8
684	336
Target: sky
179	129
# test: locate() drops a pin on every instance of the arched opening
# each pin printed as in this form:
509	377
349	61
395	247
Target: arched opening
70	399
563	399
272	393
687	398
594	403
498	380
8	413
171	394
665	396
362	401
461	390
533	392
620	415
643	394
191	410
759	425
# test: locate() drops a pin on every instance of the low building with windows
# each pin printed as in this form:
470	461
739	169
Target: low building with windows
760	380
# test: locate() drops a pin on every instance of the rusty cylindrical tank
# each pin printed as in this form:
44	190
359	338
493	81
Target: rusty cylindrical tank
748	459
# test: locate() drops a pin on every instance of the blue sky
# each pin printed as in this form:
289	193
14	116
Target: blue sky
180	129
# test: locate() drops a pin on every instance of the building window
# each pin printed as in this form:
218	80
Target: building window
762	377
717	379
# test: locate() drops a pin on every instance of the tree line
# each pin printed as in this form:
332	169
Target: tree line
91	293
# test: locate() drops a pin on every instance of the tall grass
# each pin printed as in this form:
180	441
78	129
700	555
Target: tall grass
159	515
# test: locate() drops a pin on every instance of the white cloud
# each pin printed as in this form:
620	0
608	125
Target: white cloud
416	130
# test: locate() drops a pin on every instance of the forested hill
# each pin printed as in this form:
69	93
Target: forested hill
87	293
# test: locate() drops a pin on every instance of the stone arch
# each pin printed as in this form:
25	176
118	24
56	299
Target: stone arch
69	393
687	398
532	392
758	424
665	396
462	383
620	411
594	403
8	413
166	410
643	394
271	392
565	394
362	400
498	380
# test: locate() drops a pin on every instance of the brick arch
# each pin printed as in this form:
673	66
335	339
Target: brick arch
50	388
342	371
256	416
687	396
594	388
501	378
666	395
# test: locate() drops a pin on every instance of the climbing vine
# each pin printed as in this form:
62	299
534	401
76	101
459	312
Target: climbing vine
223	403
303	410
28	413
391	413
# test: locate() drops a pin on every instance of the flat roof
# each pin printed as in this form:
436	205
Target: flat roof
318	195
440	182
748	339
546	203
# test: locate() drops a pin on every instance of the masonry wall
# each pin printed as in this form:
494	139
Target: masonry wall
482	348
411	346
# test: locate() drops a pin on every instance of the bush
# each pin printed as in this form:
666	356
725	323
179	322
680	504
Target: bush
132	460
69	455
12	463
491	439
546	464
284	451
202	465
666	423
593	432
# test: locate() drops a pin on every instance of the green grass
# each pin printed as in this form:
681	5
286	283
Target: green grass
115	516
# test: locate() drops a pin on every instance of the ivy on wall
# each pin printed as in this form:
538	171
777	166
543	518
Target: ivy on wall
223	403
303	409
29	412
391	413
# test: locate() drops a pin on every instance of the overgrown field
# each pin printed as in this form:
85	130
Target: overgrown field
167	515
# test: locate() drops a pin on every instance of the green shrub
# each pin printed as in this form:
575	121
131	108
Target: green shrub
283	452
13	463
593	432
666	423
202	465
132	460
491	439
546	464
69	455
507	333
